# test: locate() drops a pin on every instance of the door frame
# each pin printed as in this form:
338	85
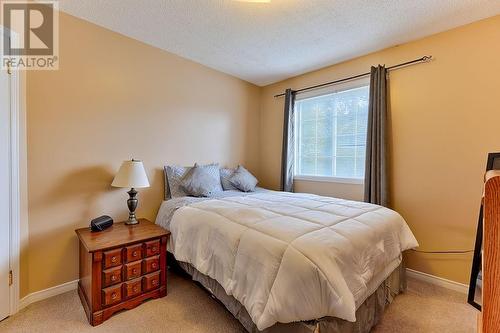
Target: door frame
17	147
15	190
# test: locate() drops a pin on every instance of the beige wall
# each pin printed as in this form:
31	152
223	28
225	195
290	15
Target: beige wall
445	119
115	98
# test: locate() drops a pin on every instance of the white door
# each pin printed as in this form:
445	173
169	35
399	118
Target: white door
5	186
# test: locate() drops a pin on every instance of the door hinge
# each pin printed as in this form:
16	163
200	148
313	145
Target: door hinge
10	278
9	68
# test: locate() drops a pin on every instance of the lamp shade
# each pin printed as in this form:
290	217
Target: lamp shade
131	174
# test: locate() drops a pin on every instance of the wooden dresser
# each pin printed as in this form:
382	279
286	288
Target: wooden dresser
121	267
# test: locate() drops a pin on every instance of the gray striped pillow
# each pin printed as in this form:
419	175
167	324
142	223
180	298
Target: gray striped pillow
173	178
225	174
243	179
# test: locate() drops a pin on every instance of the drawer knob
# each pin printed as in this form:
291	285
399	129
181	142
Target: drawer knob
154	265
113	259
154	282
135	289
113	277
113	296
134	271
134	254
154	248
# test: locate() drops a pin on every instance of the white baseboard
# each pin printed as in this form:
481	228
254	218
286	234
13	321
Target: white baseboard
72	285
46	293
438	281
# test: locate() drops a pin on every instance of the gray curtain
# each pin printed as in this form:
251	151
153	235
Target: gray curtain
288	150
376	186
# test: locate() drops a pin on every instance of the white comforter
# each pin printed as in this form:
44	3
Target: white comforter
290	257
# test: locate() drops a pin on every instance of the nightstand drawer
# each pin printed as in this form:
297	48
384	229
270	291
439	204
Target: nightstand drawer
112	258
152	248
132	270
151	264
112	295
111	276
133	288
151	281
133	252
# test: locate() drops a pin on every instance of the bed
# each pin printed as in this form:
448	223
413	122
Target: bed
291	262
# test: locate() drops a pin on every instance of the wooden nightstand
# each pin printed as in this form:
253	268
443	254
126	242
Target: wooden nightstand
121	267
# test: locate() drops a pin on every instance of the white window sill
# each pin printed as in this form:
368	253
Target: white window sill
358	181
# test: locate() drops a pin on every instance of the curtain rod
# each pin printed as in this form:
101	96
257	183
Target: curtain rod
419	60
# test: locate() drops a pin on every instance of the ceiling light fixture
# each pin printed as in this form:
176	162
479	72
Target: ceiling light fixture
260	1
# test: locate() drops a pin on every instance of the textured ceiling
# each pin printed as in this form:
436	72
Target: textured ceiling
267	42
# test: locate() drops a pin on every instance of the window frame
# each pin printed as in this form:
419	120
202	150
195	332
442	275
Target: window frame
353	84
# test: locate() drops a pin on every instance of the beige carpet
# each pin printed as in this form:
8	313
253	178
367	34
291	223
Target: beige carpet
188	308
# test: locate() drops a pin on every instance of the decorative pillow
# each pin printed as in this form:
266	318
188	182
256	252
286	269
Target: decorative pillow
243	180
202	180
173	177
225	173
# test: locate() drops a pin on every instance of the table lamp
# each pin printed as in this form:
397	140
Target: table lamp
133	175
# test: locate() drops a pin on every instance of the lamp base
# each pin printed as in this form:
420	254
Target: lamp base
132	221
132	205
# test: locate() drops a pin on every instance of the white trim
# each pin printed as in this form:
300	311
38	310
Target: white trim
46	293
358	181
15	176
437	281
15	191
347	85
73	285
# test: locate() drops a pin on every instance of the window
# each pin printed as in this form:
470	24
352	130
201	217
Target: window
330	128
